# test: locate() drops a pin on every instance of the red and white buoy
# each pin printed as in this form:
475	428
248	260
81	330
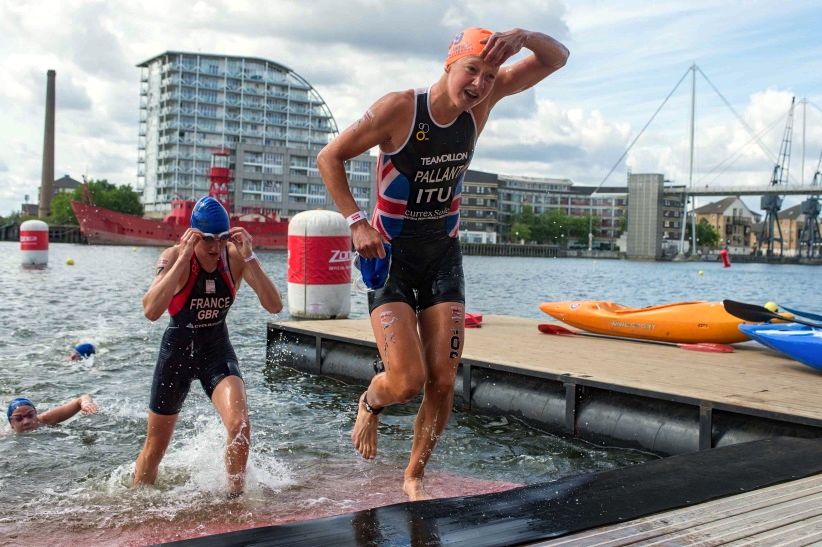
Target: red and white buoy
319	265
34	244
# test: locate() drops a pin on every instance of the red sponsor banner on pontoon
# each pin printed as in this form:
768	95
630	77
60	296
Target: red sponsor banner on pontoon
319	260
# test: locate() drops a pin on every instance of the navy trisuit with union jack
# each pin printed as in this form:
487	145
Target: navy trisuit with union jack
195	343
419	189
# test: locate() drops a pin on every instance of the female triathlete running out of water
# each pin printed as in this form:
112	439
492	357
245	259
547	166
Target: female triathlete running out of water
426	139
197	281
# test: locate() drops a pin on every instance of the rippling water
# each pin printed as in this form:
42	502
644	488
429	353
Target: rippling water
71	481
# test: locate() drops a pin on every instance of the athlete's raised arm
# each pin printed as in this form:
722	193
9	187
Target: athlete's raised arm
172	269
53	416
242	257
548	56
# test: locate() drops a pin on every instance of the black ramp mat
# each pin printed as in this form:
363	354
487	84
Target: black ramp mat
551	509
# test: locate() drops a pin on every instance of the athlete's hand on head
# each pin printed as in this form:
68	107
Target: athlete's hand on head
501	46
242	240
188	240
367	241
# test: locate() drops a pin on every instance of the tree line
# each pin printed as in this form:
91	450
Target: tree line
553	227
101	192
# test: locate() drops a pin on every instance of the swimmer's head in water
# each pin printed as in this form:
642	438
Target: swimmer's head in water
470	41
85	350
209	216
17	403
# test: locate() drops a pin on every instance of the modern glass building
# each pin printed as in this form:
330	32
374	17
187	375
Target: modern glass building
270	119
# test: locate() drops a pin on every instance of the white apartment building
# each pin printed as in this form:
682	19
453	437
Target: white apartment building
270	118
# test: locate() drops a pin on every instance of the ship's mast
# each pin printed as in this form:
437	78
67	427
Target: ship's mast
691	169
219	176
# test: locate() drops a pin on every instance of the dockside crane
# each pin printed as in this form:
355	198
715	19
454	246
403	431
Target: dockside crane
772	203
810	237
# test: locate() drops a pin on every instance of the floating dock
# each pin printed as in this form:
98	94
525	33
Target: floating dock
636	505
636	394
743	431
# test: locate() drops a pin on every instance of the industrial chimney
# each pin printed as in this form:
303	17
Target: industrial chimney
47	178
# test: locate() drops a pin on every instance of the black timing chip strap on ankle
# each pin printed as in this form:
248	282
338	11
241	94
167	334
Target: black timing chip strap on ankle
368	408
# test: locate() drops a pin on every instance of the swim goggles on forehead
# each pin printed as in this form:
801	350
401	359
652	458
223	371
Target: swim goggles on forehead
210	238
374	270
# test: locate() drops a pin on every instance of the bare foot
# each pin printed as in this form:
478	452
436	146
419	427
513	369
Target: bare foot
364	434
415	490
235	485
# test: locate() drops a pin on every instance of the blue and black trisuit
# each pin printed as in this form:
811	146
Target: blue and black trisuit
420	185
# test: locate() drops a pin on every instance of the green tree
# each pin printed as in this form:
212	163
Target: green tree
61	212
14	216
623	223
103	194
706	234
117	198
579	226
553	227
520	230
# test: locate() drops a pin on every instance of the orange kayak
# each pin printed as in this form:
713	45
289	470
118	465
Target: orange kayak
680	322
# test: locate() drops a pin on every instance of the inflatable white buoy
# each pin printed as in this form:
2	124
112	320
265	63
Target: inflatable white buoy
34	243
319	265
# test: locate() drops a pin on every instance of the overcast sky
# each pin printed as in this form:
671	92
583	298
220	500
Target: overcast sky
626	57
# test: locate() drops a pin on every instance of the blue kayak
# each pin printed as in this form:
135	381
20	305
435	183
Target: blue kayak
798	342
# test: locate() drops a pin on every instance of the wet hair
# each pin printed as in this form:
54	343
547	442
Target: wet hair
17	403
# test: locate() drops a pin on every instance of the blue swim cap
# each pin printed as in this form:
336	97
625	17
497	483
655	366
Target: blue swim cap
209	216
85	349
17	403
375	270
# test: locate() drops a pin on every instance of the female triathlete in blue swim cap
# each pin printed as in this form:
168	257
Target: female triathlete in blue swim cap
23	416
426	139
197	281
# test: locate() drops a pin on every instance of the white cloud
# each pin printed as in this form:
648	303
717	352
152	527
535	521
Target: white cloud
625	58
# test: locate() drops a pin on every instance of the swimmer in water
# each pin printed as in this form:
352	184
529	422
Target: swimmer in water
197	281
426	139
23	416
82	351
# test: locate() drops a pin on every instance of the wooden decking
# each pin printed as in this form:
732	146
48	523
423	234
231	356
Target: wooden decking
752	378
785	514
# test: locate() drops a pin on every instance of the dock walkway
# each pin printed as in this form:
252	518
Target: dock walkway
759	493
647	395
786	514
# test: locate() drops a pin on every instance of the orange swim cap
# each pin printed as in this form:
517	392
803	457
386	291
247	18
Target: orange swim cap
467	43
